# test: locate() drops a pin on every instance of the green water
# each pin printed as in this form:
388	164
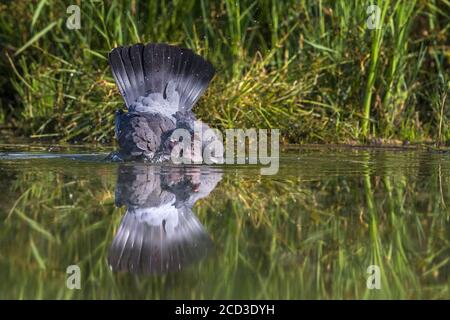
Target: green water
311	231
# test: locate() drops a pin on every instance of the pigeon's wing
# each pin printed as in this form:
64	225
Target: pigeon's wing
140	135
160	69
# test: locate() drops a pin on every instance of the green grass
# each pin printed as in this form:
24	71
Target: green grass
311	68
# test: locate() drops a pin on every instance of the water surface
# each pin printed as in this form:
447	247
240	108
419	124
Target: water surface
166	232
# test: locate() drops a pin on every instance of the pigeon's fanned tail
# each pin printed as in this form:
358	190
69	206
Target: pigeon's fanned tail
142	248
141	70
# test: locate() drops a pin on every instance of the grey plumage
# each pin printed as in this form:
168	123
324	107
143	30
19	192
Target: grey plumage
159	232
140	134
160	84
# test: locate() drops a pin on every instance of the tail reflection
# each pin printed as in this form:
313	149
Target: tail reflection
159	232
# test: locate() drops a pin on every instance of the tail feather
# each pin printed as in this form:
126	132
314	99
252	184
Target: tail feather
120	75
134	62
141	70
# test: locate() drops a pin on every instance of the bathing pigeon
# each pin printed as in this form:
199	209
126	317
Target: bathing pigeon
160	84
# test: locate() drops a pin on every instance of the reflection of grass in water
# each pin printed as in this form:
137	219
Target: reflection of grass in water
311	68
286	237
56	216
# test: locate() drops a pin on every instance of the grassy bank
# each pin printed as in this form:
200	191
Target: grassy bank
311	68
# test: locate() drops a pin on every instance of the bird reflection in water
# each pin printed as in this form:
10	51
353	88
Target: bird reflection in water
159	233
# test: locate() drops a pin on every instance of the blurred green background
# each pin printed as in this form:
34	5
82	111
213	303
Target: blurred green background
311	68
